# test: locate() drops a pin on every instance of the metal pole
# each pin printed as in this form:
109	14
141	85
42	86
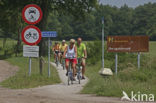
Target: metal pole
49	57
139	60
103	42
116	63
29	66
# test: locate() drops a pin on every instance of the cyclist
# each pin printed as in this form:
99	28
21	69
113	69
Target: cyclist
62	48
82	53
70	54
56	50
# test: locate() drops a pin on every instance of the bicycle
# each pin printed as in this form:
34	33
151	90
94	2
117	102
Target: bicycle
57	61
29	35
79	67
63	64
70	73
62	60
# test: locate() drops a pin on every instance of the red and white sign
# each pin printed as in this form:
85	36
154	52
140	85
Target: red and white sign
32	14
31	35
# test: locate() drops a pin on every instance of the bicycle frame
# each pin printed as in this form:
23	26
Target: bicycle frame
79	60
63	63
70	74
57	61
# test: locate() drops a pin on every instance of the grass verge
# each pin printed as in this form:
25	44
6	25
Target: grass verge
129	78
22	80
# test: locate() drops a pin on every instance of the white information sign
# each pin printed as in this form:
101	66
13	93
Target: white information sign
30	51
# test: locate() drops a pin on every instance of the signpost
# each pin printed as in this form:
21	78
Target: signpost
102	42
49	34
32	14
30	51
104	71
31	35
127	44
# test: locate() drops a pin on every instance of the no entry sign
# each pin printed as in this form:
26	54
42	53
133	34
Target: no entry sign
32	14
31	35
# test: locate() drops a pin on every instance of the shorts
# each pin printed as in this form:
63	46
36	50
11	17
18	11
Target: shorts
62	53
72	60
82	60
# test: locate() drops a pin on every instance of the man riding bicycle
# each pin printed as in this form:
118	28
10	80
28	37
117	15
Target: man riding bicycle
70	54
56	50
82	53
62	48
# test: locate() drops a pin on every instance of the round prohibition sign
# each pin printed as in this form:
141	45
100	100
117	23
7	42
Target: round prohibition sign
32	14
31	35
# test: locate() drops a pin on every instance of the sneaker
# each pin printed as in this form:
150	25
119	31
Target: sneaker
83	77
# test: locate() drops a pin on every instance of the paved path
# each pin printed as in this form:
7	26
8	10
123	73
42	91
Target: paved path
59	93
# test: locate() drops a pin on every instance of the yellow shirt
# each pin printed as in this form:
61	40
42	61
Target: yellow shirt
62	47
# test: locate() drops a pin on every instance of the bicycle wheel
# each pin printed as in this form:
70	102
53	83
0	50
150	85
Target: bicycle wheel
27	36
68	78
71	73
63	64
57	61
34	35
79	75
72	79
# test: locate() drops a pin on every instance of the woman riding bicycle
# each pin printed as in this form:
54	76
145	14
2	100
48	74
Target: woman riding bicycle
70	54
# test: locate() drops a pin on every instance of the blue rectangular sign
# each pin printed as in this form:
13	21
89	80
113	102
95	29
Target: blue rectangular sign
49	33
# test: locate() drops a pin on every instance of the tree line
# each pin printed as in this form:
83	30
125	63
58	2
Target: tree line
77	18
118	21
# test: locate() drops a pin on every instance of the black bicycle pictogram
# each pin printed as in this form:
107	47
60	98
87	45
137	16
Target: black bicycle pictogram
31	35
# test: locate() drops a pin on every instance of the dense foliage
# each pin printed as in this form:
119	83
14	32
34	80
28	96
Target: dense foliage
118	21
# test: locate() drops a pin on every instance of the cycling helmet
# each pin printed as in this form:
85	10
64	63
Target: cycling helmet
63	41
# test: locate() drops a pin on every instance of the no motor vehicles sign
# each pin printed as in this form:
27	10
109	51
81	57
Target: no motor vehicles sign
32	14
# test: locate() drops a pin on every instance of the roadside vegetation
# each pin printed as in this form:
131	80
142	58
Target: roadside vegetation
7	48
21	79
128	79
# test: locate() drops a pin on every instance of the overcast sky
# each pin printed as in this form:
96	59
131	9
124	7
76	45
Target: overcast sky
130	3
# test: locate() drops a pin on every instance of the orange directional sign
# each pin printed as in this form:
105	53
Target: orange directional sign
127	43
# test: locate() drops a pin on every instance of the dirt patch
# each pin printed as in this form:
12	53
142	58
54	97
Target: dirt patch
6	70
